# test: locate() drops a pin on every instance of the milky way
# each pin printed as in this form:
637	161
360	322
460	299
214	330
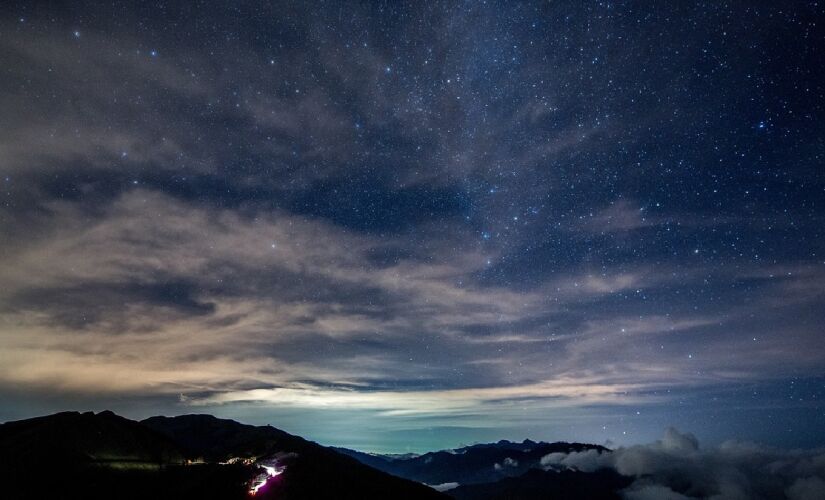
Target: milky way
404	226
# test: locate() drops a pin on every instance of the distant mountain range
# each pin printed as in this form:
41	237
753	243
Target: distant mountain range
87	455
502	470
480	463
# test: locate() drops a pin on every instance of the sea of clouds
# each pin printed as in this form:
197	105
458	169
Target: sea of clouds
676	468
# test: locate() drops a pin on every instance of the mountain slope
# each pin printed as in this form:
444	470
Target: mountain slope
103	456
312	470
97	456
216	440
85	438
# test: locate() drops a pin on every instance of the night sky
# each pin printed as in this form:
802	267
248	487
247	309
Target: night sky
405	226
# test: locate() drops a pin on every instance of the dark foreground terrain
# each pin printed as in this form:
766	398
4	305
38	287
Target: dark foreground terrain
86	455
103	455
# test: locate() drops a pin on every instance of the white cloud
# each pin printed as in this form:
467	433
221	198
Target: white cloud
507	462
444	486
676	467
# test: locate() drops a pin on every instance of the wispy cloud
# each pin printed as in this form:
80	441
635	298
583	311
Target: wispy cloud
466	223
153	291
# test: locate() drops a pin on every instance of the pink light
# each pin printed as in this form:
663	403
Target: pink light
270	473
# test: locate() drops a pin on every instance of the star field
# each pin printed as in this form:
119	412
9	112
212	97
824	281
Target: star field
418	224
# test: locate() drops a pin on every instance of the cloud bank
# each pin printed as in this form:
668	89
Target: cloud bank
676	468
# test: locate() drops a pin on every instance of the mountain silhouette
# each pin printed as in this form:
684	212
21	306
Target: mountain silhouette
97	456
84	438
312	470
480	463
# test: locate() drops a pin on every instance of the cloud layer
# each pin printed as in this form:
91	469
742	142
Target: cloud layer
676	468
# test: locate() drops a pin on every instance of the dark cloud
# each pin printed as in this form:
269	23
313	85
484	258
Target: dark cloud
91	304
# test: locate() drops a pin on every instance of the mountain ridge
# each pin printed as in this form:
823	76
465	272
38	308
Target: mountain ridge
473	464
88	455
